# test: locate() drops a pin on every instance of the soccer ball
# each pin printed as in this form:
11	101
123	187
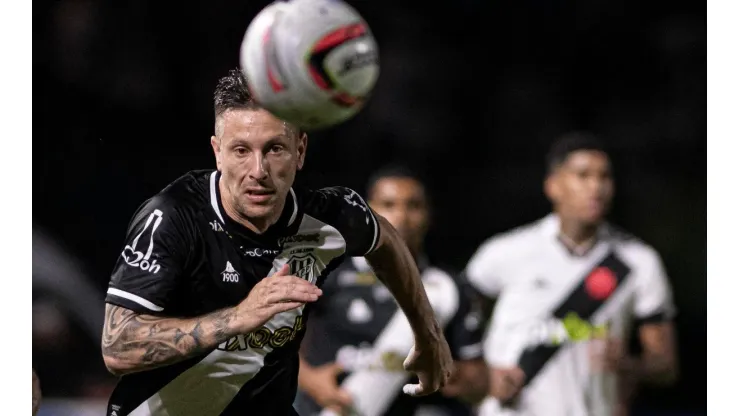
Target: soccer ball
312	63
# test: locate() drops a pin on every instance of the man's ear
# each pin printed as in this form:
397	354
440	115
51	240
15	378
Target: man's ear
216	145
552	188
301	149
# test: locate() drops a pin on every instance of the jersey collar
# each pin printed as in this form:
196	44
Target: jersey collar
551	228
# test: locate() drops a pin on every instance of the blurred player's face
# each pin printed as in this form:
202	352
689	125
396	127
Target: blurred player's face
258	156
403	203
582	187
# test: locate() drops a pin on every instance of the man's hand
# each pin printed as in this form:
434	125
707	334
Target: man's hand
272	295
506	383
469	381
321	384
432	364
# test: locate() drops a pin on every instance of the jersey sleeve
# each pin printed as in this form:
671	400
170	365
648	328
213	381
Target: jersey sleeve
153	259
653	294
345	210
465	331
482	271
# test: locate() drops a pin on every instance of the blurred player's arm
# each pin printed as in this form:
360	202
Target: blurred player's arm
470	380
320	382
659	363
655	311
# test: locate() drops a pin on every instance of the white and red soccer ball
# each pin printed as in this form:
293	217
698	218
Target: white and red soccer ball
310	62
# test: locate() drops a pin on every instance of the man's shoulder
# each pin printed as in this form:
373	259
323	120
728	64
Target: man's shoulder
515	240
186	194
178	204
318	198
634	250
329	203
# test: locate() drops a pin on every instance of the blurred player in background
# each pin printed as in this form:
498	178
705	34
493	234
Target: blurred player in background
36	395
568	288
208	302
356	315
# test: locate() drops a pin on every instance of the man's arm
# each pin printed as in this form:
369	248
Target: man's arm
135	342
654	308
657	363
394	265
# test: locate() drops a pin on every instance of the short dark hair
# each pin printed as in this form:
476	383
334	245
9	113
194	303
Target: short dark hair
392	171
232	92
571	142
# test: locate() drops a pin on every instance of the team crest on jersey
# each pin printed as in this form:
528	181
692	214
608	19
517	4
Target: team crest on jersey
304	266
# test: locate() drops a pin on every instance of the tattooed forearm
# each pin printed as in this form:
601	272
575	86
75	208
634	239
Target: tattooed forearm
133	342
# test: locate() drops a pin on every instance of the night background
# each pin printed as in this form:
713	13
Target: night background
471	93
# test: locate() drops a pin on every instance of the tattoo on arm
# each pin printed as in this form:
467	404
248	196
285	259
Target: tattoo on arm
136	342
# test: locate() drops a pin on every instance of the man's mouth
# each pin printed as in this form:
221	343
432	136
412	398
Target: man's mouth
259	195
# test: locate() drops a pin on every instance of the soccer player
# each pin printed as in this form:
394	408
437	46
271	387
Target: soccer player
208	301
344	362
568	289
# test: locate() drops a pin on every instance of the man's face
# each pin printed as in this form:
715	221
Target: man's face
403	203
582	187
258	156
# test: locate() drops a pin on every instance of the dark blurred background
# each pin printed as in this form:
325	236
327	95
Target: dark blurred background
471	93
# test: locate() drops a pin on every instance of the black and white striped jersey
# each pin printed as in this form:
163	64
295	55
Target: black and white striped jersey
185	257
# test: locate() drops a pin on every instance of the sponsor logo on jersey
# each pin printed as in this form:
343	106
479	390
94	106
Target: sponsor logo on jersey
141	259
259	252
354	199
570	329
263	337
299	238
230	274
216	226
304	267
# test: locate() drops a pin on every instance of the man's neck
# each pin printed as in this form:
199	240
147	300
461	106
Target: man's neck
256	225
577	236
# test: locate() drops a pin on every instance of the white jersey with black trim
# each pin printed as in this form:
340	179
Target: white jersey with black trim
554	309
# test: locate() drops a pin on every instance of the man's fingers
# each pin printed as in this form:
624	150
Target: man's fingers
301	293
284	306
416	390
343	398
424	387
283	271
